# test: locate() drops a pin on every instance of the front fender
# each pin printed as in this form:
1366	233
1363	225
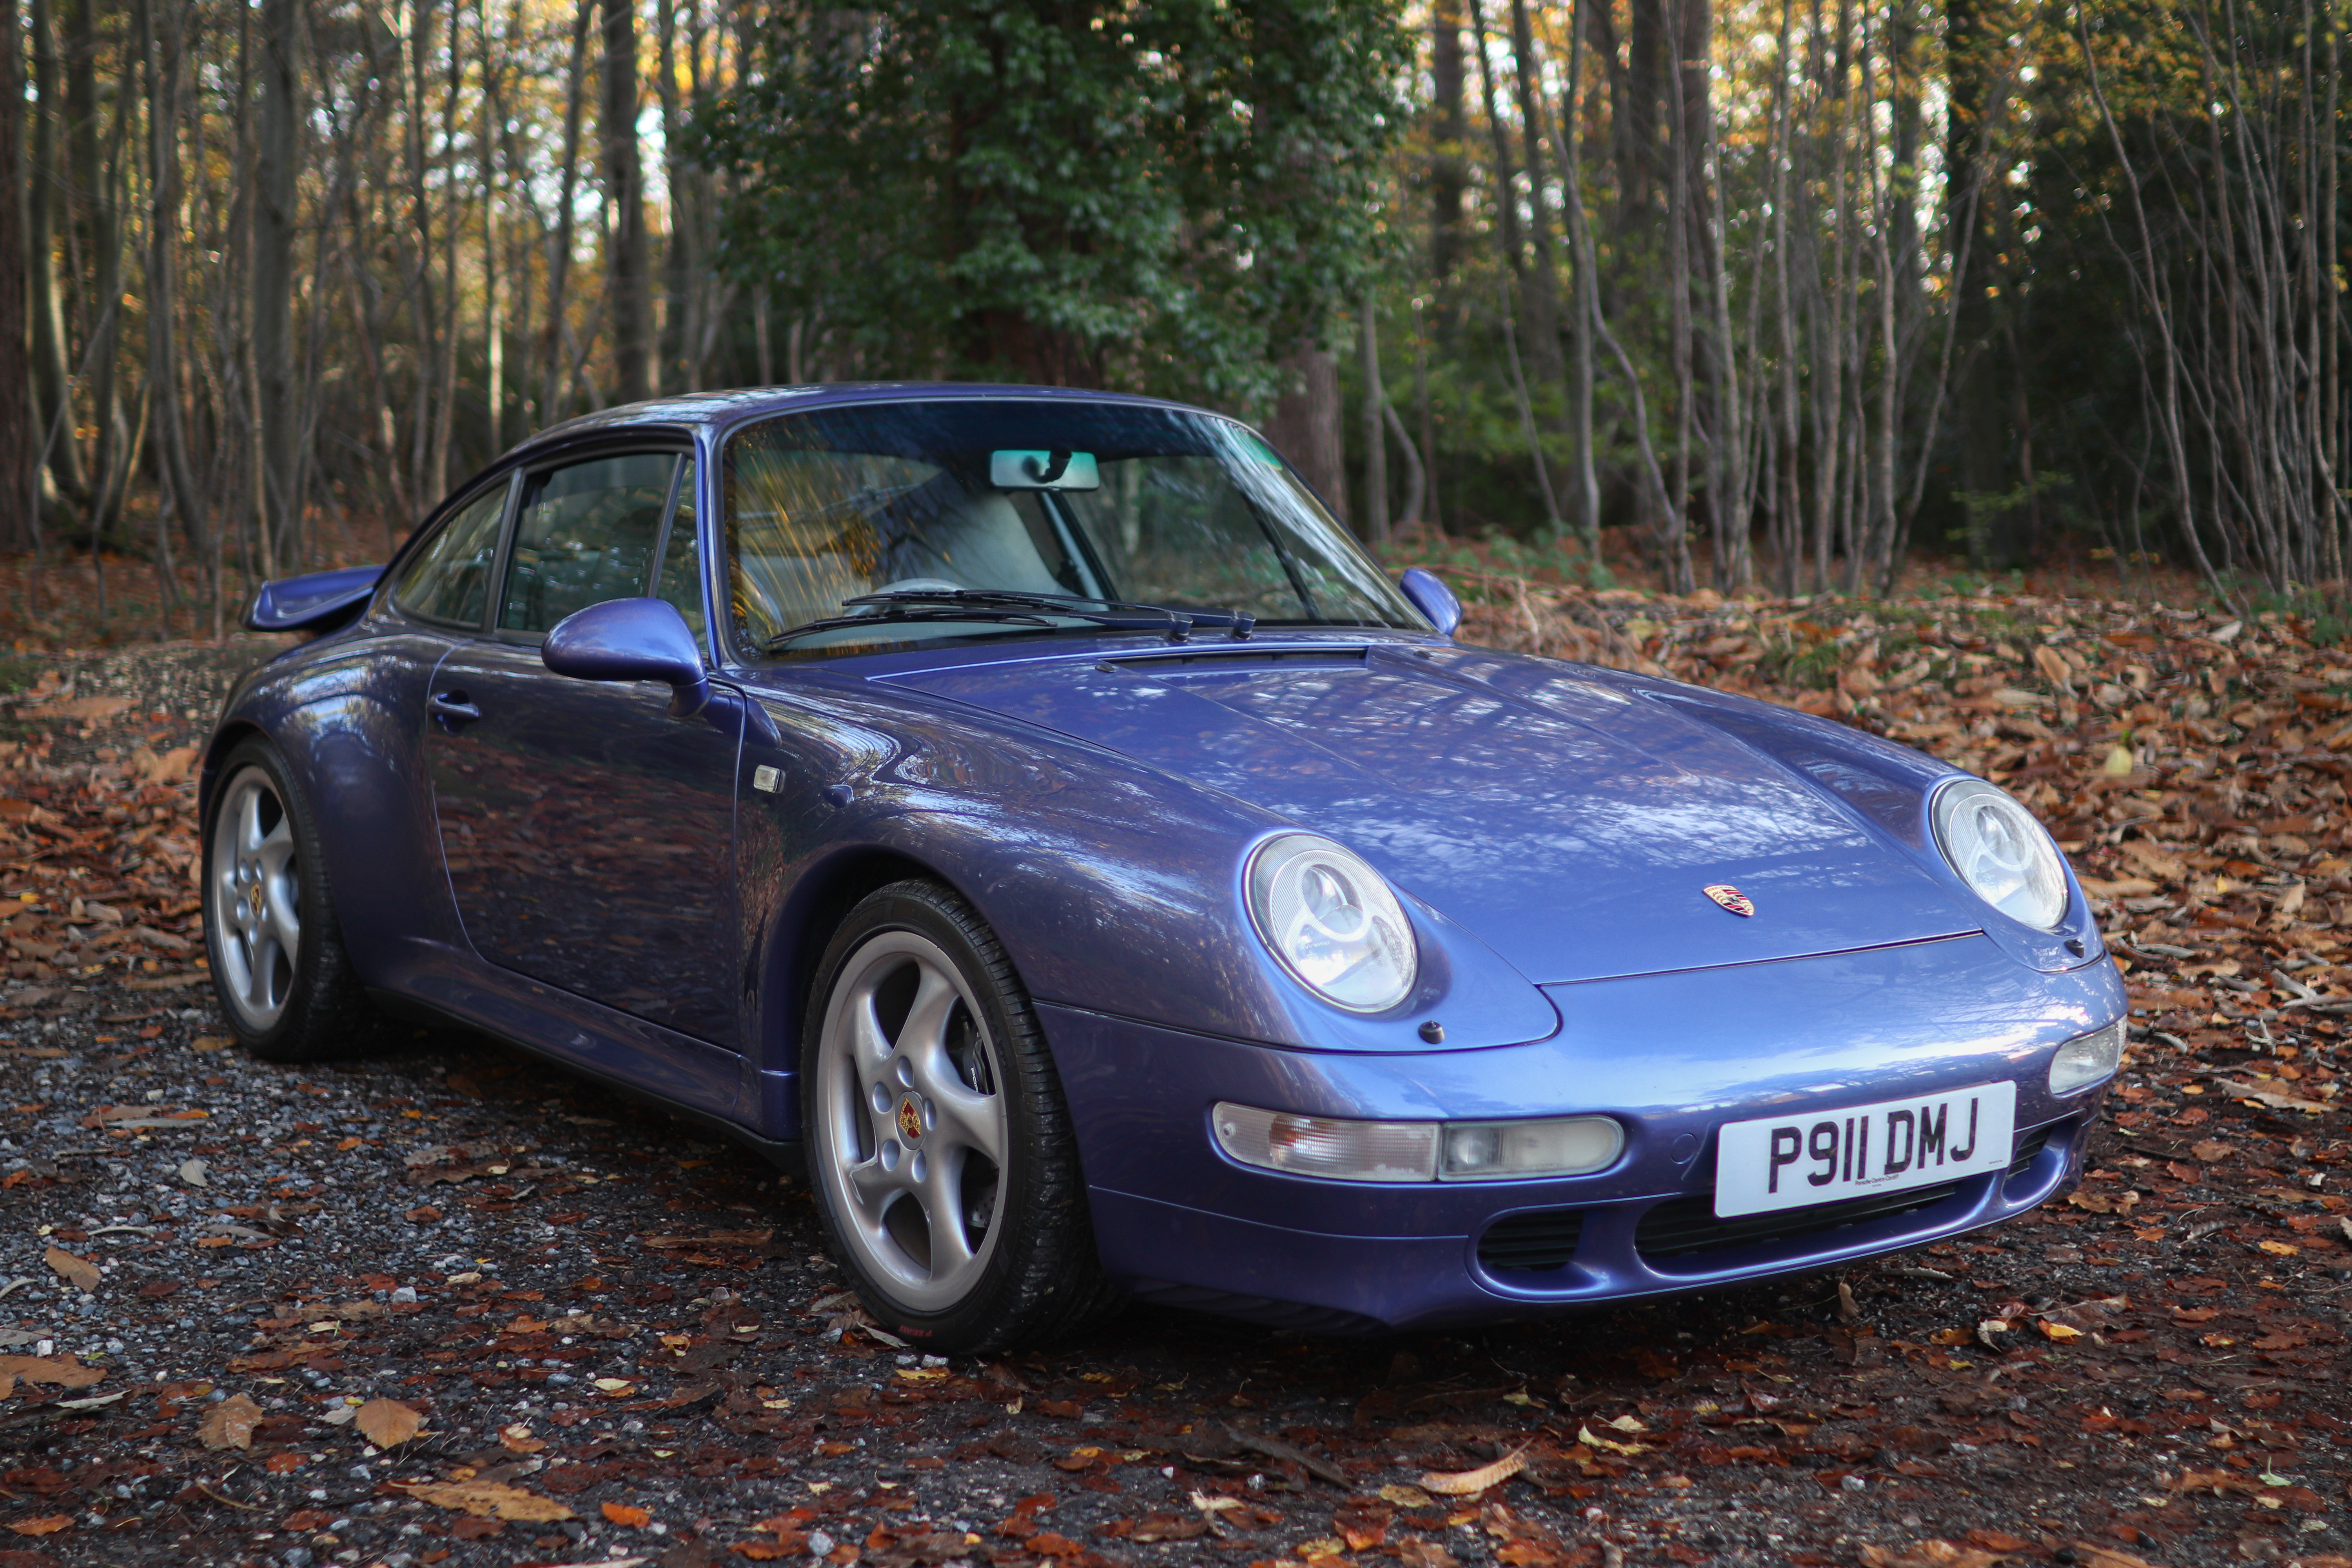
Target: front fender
1114	889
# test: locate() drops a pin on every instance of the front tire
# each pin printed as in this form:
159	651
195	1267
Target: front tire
940	1149
278	965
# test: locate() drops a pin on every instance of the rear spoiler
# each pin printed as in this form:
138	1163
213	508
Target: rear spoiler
318	603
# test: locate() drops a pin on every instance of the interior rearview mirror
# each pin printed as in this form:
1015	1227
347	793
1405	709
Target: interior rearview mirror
1044	471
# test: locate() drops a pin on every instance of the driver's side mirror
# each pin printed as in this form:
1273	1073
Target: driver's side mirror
631	639
1432	599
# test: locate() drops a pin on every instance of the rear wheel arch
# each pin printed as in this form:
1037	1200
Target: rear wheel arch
226	739
285	925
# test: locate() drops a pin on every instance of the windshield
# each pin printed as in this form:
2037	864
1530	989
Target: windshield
1101	503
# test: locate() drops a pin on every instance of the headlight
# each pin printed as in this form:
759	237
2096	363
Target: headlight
1332	922
2087	1059
1344	1151
2001	852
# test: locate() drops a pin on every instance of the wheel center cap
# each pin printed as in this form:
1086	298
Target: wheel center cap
252	899
910	1120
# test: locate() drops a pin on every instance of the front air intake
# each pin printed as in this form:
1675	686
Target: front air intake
1537	1242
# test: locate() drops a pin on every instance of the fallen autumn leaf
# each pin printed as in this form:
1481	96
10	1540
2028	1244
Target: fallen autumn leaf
48	1524
491	1500
63	1371
229	1424
1462	1483
79	1272
387	1423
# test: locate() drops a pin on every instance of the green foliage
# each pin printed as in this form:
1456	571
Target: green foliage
1167	194
2322	617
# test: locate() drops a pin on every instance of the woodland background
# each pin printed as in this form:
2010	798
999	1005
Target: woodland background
1779	294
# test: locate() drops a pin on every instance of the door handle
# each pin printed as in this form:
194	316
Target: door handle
452	709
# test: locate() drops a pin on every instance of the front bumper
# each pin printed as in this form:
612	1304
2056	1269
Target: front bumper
1675	1056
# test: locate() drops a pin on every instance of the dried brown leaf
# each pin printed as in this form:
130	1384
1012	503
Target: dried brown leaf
63	1371
79	1272
2090	1555
2268	1097
1462	1483
47	1524
491	1500
387	1423
1928	1554
229	1424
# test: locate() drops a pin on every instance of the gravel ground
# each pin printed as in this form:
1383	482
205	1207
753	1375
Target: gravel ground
613	1338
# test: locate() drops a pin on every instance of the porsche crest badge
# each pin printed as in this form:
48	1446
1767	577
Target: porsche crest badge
1732	899
910	1120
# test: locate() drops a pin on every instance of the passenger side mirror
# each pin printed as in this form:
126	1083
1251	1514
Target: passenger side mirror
1432	599
631	639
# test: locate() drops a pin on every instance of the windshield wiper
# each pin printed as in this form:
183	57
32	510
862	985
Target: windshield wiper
837	623
1011	606
1177	623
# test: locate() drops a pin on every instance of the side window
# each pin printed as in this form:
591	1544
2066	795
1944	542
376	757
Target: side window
680	581
449	579
585	533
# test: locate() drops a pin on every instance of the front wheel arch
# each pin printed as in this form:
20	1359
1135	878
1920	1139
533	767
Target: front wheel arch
797	932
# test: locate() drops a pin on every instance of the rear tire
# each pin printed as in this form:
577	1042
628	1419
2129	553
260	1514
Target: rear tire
941	1151
279	964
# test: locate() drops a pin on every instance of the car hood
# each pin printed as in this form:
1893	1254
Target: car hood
1570	822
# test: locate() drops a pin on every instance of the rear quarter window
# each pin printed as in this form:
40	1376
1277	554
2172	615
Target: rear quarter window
449	579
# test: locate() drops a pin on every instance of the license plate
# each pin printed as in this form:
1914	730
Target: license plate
1793	1162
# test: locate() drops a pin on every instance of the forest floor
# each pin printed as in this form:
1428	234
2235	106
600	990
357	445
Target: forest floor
450	1306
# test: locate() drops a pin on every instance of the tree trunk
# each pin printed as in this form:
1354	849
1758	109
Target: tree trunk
494	355
1543	277
554	392
445	402
184	497
19	496
278	148
1449	130
680	320
45	210
1584	309
1376	449
626	263
97	179
416	249
1506	187
1704	235
1306	425
1978	91
1635	114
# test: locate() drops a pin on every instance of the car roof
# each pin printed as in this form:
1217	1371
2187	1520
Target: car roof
722	410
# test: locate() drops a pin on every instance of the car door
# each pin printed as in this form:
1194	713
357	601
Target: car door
588	834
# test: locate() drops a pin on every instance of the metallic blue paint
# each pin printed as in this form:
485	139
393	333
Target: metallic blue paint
1432	599
631	639
568	864
315	602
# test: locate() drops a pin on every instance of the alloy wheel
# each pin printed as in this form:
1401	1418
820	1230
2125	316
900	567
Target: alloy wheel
911	1123
254	886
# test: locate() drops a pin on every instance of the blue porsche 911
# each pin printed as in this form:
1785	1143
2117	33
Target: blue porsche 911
1030	813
